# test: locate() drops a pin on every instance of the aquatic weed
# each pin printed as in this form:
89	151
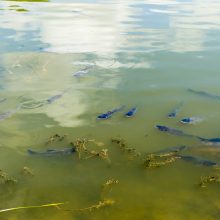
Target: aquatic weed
107	186
153	161
131	152
204	180
6	179
26	171
55	137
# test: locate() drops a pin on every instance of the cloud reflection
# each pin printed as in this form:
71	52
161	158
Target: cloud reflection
103	31
102	28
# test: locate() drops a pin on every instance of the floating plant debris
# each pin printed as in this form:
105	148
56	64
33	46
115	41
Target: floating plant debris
103	154
100	204
6	179
56	137
27	171
153	161
103	202
107	186
80	146
204	180
132	152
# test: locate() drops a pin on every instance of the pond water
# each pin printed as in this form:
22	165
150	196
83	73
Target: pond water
63	63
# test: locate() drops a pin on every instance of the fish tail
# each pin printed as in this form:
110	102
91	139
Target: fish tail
201	139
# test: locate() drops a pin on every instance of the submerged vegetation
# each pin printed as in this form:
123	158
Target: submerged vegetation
100	204
85	148
55	137
32	207
6	179
82	82
26	171
129	151
205	180
153	161
104	202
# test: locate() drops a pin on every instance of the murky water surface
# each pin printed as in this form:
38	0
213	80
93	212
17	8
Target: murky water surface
63	63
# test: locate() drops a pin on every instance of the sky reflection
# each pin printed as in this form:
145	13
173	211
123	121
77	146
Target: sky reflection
115	37
111	27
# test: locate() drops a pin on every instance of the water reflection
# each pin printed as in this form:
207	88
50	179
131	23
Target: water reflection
137	53
112	27
104	33
29	0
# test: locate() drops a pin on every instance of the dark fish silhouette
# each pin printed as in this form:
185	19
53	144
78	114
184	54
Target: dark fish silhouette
213	149
175	111
55	97
175	149
9	113
82	72
53	152
191	120
109	113
198	160
131	112
205	94
31	104
211	141
172	131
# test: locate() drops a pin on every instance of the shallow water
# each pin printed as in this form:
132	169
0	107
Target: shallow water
137	53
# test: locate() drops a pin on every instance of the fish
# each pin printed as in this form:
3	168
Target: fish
109	113
131	112
174	149
205	94
190	120
52	152
9	113
82	72
210	141
172	131
32	104
55	97
186	120
175	111
206	149
198	160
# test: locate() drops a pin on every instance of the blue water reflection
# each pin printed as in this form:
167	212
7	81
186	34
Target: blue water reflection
74	26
